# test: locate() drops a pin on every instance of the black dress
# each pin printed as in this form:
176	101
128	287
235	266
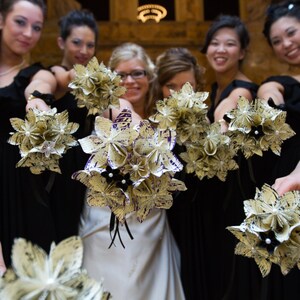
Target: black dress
198	220
24	202
240	277
277	286
66	193
194	221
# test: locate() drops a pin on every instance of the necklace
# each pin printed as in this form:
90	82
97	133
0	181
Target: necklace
13	68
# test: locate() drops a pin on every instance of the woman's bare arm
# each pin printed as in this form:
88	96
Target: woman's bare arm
43	82
288	183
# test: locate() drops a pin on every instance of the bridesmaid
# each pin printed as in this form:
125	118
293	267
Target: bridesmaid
78	34
282	31
174	68
24	201
225	47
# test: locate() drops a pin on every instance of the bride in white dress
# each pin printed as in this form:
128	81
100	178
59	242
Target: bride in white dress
148	268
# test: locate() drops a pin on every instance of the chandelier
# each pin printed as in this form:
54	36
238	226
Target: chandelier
151	12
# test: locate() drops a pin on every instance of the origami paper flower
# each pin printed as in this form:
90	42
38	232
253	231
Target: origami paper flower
35	275
96	87
155	192
181	109
256	127
206	151
111	140
248	246
131	168
211	155
43	137
270	233
267	211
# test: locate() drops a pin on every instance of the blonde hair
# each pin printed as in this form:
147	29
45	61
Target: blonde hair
127	51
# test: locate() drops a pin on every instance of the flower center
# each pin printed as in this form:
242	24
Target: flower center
268	241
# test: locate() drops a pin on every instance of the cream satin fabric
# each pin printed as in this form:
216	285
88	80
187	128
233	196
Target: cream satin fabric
148	267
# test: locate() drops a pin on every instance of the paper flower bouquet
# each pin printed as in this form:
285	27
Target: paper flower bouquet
253	127
207	152
131	168
43	137
256	127
96	87
270	233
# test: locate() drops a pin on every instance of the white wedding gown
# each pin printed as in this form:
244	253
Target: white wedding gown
149	266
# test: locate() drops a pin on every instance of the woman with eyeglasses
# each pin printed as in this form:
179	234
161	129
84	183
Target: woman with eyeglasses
282	31
148	266
136	71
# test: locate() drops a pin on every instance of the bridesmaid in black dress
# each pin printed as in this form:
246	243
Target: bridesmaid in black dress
77	40
225	47
282	30
24	201
174	68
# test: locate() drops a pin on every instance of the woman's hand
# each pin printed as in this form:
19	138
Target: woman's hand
288	183
37	103
2	264
44	82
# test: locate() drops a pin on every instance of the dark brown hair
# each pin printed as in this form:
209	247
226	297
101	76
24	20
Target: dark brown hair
227	21
276	11
170	63
7	5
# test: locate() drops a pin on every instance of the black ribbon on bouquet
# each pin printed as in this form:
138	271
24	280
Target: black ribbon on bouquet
114	230
122	182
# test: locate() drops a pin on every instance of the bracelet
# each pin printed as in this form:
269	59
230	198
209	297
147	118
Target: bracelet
48	98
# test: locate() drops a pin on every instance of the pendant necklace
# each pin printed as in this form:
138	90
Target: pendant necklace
13	68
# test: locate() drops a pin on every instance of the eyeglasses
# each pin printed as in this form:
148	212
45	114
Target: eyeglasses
135	74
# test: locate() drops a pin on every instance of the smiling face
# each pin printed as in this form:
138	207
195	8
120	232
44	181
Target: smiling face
176	82
285	39
21	29
224	51
78	47
136	88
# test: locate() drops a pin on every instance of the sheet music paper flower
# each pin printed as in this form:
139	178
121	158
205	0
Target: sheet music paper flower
43	137
270	233
211	155
36	275
206	151
256	127
96	87
184	111
131	168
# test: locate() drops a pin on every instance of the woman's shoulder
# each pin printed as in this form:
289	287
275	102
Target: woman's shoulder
24	76
282	79
238	85
31	70
247	84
